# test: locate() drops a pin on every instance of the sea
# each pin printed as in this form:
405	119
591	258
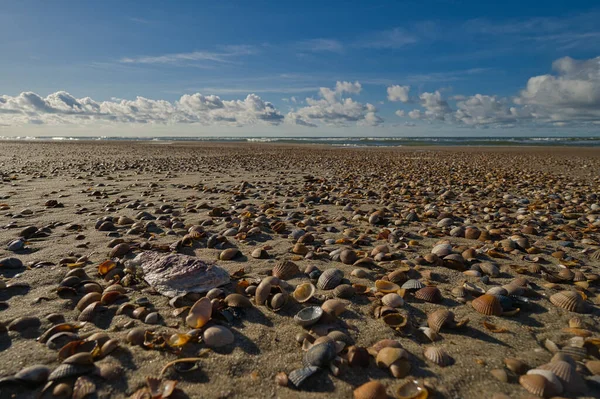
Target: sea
353	141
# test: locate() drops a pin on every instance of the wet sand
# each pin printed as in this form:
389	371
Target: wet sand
63	189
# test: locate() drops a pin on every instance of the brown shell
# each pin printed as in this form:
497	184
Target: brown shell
429	294
344	291
488	305
569	300
398	277
262	292
370	390
386	286
334	307
438	356
89	312
285	269
567	375
537	385
83	387
87	300
330	279
237	301
439	319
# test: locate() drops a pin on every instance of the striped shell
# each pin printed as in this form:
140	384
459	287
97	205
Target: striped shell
285	269
392	300
320	355
330	279
537	385
595	255
551	377
438	356
490	269
413	284
344	291
83	387
575	352
397	276
69	370
569	300
567	375
89	312
488	305
439	319
298	376
429	294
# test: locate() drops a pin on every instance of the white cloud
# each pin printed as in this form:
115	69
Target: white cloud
398	93
224	56
63	108
485	110
400	113
334	109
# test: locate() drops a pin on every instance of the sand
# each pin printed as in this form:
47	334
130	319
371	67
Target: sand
96	179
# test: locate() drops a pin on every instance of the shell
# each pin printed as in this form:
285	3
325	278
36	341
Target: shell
70	370
348	256
304	292
237	301
344	291
398	276
278	301
395	320
83	387
136	336
359	273
490	269
24	323
285	269
218	336
330	279
439	319
438	356
577	353
370	390
569	300
199	313
89	312
36	374
298	376
88	299
429	294
567	375
386	286
334	307
537	385
262	292
411	390
557	387
393	300
413	284
390	355
308	316
442	250
488	305
229	254
320	355
497	291
108	347
516	365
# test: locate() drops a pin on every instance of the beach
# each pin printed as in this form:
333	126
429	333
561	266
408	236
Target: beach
526	211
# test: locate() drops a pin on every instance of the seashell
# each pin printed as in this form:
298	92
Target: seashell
344	291
217	336
340	336
576	322
320	355
24	323
88	299
593	366
136	336
298	376
386	286
178	340
62	390
500	374
395	320
413	284
152	318
348	257
262	292
237	301
83	387
63	327
229	254
330	279
569	300
285	270
358	356
110	297
459	292
118	251
549	375
537	385
411	390
370	390
392	300
442	250
390	355
259	253
139	313
199	313
577	353
214	293
438	356
300	249
489	268
89	312
108	347
304	292
472	233
429	294
115	287
497	291
516	366
308	316
66	370
439	319
397	276
568	376
334	307
454	261
37	374
278	301
359	273
488	305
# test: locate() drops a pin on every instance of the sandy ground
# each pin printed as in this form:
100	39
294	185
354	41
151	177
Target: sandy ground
93	180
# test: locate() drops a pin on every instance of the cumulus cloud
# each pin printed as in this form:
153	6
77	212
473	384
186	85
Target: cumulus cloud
62	108
398	93
333	108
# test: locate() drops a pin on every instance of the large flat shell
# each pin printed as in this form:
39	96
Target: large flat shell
176	274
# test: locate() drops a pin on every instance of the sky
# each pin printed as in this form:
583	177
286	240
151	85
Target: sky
299	68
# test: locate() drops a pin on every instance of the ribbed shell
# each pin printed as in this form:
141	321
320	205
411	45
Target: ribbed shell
575	352
397	277
413	284
429	294
497	291
320	355
330	279
537	385
569	300
344	291
392	300
439	319
371	390
83	387
579	276
89	312
567	375
285	269
438	356
298	376
489	268
595	255
488	305
551	377
70	370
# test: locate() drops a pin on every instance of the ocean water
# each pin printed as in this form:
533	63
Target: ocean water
356	141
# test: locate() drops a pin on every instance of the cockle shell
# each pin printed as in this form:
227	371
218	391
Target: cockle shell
442	250
551	377
568	376
569	300
330	279
285	269
344	291
177	274
334	307
199	313
33	375
413	285
370	390
438	356
229	254
393	300
429	294
488	305
217	336
489	268
298	376
389	355
440	318
304	292
320	355
348	256
537	385
83	387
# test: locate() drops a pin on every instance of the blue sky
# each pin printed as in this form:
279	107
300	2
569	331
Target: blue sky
375	68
